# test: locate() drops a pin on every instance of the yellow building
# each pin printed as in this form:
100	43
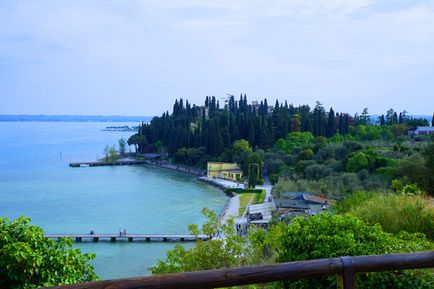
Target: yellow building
227	171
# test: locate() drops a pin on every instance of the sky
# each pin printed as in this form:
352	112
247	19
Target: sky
135	57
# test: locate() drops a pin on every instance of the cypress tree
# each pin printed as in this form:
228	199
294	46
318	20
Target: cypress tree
331	124
382	120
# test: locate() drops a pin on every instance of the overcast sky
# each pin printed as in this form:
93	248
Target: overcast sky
135	57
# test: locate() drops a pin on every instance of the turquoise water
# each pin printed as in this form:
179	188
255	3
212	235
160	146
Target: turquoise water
35	180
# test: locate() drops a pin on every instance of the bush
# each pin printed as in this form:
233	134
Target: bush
206	255
242	191
316	172
393	212
274	178
328	235
357	162
29	260
306	154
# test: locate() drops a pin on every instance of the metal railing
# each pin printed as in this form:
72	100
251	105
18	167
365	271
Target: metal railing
346	267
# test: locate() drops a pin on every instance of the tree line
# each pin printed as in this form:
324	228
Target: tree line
214	126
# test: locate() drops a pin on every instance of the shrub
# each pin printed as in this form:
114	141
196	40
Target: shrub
242	191
317	172
274	178
306	154
206	255
328	235
357	162
29	260
393	212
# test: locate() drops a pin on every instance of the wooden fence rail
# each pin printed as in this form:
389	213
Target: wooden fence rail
346	267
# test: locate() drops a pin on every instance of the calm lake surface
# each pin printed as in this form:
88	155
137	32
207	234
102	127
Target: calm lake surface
35	180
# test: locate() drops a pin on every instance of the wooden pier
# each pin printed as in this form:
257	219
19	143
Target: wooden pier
129	237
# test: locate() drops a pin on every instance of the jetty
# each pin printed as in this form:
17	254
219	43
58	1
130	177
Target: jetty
100	164
178	168
129	237
160	164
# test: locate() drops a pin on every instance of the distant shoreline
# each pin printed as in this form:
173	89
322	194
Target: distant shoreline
73	118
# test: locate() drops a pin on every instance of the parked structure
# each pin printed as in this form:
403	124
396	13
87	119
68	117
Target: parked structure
421	130
300	203
260	215
227	171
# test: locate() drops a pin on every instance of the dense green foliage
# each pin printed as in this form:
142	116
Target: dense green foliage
206	255
29	260
300	148
342	164
394	212
242	191
262	247
216	127
110	154
328	235
320	236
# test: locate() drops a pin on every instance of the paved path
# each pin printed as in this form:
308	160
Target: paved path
267	186
225	184
232	208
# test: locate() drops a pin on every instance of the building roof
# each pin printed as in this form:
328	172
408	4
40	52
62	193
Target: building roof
233	171
314	199
425	128
292	195
307	197
264	209
291	203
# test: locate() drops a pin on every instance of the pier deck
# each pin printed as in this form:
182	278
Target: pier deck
129	237
99	164
164	165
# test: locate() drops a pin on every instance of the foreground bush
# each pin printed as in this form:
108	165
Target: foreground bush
29	260
206	255
393	212
328	235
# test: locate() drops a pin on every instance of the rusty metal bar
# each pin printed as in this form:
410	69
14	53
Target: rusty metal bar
346	266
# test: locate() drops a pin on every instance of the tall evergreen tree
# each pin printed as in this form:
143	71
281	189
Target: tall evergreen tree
331	124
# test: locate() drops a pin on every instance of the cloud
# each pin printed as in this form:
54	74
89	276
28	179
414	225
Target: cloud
103	56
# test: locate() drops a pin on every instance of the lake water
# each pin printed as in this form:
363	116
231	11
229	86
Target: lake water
35	180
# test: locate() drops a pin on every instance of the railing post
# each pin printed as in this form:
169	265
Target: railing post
348	274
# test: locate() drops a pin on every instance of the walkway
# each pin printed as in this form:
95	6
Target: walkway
232	208
128	237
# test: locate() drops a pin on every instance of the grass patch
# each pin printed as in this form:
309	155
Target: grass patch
244	201
394	212
257	198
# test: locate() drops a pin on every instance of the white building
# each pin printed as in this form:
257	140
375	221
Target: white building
422	130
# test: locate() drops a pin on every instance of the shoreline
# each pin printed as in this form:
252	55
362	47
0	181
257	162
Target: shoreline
232	206
229	210
178	168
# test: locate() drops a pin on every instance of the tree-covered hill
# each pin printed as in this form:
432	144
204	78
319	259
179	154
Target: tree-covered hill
216	126
300	148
